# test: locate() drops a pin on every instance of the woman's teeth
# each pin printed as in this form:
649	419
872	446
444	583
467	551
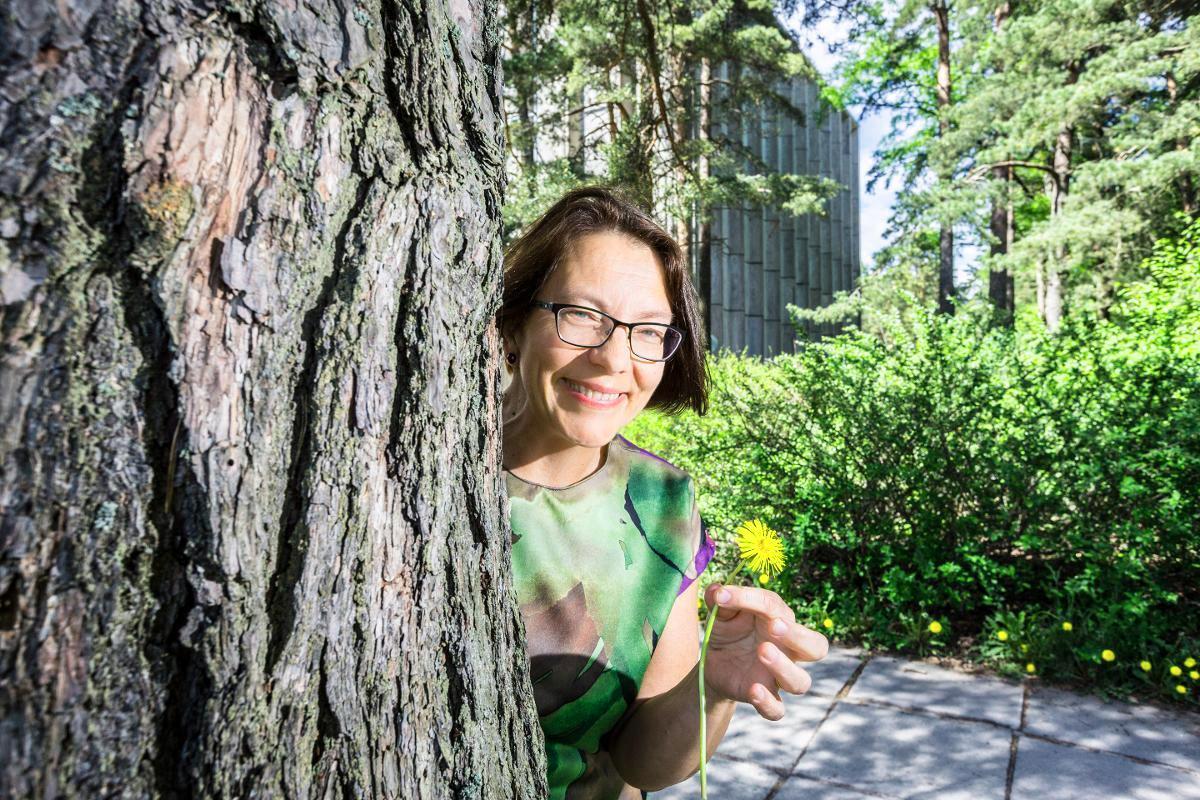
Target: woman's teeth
602	398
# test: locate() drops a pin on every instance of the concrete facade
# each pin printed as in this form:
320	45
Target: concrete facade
762	259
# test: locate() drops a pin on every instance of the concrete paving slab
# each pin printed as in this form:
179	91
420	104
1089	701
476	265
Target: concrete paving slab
727	780
1062	772
896	753
774	744
798	787
831	673
913	684
1136	730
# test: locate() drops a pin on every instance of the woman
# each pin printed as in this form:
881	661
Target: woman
599	320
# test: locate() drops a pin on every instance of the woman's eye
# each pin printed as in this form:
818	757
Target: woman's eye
650	334
579	316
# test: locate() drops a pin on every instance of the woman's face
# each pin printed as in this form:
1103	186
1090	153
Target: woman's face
620	276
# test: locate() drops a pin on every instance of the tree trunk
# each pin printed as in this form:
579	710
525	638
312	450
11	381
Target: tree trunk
1187	190
524	41
704	228
946	235
1057	187
1058	184
1000	281
253	539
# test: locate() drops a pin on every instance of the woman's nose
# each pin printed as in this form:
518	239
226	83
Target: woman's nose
614	354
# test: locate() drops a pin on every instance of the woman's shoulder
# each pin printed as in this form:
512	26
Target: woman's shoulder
652	462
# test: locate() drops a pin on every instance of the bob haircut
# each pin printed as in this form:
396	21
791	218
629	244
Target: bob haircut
544	245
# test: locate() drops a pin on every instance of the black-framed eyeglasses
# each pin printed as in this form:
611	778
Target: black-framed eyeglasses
584	326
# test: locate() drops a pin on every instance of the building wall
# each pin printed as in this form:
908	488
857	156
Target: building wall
763	259
758	260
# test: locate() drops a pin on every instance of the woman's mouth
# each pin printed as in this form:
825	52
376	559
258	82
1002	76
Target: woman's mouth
590	398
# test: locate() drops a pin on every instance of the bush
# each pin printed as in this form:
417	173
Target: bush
979	476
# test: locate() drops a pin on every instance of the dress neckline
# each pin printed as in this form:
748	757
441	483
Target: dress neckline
601	470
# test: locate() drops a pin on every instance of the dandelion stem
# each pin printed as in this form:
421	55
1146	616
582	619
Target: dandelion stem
712	617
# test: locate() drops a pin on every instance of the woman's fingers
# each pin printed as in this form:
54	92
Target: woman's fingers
787	673
800	642
734	599
795	639
767	704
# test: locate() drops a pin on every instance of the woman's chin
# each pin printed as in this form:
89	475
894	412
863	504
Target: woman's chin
591	435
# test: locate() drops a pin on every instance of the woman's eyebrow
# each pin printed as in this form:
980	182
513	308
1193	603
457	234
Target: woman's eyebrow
594	303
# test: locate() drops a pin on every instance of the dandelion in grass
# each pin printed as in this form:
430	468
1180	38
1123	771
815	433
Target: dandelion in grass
764	579
760	547
1189	662
1068	627
1179	687
1002	635
1145	665
1194	675
1030	668
1176	671
1108	655
935	627
827	623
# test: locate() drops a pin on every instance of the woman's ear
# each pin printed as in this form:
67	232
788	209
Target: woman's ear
509	354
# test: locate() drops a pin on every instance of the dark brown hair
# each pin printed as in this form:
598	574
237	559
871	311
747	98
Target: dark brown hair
542	247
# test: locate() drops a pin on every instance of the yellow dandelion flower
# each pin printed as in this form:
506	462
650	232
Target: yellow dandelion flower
1068	627
827	622
1145	665
760	547
1002	635
935	627
1176	671
1030	668
764	579
1107	655
1194	675
1189	662
1179	687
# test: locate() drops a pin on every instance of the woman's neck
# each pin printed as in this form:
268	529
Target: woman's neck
535	459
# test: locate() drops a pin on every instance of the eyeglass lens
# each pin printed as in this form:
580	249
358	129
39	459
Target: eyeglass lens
585	328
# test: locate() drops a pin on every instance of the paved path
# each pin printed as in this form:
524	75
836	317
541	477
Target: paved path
881	727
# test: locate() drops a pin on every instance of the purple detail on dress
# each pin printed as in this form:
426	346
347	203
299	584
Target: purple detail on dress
704	555
647	452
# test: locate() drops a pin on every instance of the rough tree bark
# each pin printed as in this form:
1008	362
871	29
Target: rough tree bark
253	539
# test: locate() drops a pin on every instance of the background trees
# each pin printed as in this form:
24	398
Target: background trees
1071	138
252	540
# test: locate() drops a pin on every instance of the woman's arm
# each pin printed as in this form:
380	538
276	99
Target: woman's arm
658	745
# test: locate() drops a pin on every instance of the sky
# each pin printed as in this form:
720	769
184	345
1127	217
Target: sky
874	208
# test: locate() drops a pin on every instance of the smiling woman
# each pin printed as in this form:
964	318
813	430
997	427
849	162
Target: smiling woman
600	321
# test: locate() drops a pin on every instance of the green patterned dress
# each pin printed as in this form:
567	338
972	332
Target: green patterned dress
597	567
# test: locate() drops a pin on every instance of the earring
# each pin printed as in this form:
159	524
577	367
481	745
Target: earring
512	358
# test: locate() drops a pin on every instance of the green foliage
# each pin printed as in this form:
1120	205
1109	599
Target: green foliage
1093	102
987	478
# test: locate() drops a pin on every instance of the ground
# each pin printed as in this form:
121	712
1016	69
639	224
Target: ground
883	727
